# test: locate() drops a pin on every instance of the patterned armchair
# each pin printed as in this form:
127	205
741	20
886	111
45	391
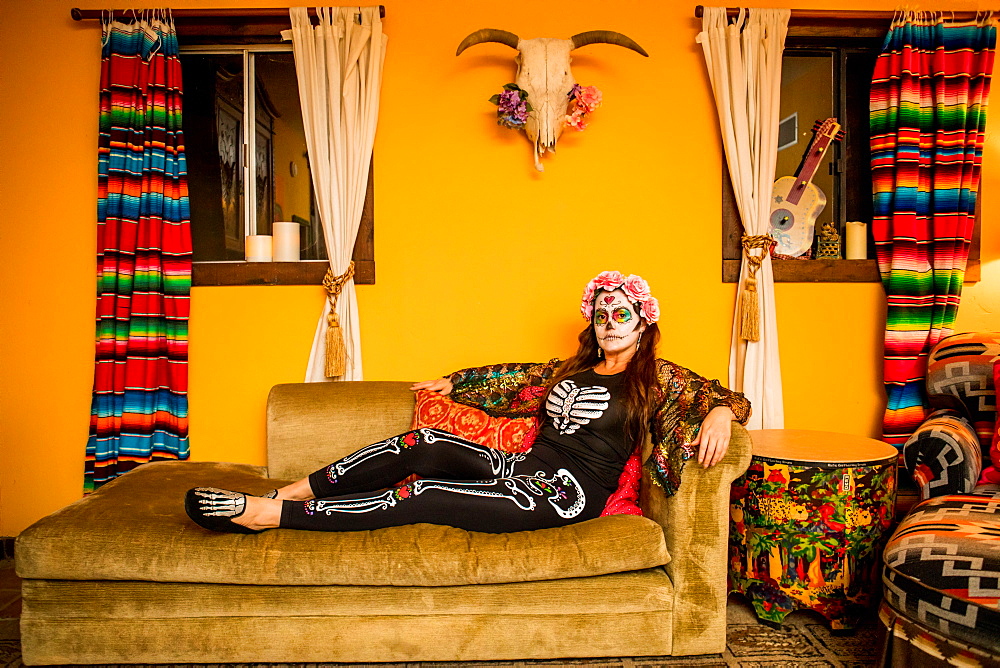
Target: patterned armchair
942	565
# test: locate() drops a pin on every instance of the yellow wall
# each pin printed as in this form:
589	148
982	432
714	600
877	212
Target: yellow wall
479	257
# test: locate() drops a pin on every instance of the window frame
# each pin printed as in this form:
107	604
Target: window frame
804	33
304	272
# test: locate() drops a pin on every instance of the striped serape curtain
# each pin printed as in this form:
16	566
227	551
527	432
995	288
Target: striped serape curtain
928	116
139	411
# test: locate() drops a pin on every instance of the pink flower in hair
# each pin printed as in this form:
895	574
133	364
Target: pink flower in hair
587	301
651	310
609	280
636	288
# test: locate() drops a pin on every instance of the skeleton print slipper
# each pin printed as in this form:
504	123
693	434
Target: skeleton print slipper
215	509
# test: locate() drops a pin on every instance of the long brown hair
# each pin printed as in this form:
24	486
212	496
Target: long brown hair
639	382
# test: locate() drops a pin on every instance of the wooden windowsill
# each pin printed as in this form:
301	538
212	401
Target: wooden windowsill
307	272
829	271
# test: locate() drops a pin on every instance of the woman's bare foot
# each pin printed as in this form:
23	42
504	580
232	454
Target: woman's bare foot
297	491
260	513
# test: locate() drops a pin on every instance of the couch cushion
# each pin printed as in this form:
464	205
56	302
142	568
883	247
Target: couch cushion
620	614
942	566
134	528
310	425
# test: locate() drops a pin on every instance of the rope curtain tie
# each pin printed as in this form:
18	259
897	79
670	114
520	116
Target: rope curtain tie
336	353
749	309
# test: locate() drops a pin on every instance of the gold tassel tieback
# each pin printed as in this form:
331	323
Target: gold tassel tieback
336	353
749	309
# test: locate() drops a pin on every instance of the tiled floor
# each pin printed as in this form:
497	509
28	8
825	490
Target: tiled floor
10	601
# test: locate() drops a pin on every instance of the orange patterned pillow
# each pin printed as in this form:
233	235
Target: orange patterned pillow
440	412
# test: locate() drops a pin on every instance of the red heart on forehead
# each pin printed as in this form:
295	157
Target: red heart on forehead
608	299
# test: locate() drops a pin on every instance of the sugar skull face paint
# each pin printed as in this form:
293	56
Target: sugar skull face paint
617	325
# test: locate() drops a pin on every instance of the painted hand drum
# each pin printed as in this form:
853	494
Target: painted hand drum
807	521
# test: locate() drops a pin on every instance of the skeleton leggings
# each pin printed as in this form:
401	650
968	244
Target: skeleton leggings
462	484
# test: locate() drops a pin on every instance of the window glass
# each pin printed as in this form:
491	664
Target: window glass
282	155
213	138
858	69
231	195
806	97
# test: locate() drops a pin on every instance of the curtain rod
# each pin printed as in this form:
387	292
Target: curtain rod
258	13
847	15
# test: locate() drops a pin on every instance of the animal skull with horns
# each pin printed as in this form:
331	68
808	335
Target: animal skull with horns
543	71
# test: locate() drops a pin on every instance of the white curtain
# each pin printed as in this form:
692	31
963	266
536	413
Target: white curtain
744	65
339	68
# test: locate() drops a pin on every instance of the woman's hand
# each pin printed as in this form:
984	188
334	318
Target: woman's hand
440	385
713	437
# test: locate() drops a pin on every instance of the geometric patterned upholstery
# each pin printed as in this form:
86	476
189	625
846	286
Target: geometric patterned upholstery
960	382
942	567
944	455
960	377
911	644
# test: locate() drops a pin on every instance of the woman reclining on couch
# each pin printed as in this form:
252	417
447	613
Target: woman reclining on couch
594	411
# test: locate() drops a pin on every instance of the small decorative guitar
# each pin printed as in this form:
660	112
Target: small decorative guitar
795	201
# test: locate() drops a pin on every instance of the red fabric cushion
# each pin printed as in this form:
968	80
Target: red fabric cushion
625	500
991	469
513	435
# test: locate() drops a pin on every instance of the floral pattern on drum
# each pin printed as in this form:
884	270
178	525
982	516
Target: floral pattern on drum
808	536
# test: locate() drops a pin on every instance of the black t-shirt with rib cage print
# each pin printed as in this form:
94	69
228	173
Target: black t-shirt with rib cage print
586	423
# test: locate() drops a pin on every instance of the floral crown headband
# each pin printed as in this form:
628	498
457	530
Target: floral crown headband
634	287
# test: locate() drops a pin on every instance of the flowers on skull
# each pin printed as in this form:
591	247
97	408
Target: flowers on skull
583	100
635	288
512	106
588	97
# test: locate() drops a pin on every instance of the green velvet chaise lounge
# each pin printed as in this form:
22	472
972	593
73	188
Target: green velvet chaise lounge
123	576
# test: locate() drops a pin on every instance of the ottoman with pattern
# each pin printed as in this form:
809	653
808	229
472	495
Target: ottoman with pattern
942	583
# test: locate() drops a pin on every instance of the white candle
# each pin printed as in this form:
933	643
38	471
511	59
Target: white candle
286	242
857	241
259	248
